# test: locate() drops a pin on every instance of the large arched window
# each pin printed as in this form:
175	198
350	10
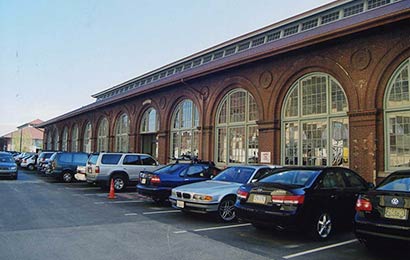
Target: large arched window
87	138
49	140
148	132
397	119
122	129
64	143
56	139
315	128
102	138
184	130
236	129
149	122
74	138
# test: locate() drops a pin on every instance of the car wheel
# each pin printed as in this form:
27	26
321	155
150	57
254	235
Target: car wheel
119	183
30	167
322	226
226	210
67	177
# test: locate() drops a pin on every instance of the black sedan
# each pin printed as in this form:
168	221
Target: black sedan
312	199
383	213
158	184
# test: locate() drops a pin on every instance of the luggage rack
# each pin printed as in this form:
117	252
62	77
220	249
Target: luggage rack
190	159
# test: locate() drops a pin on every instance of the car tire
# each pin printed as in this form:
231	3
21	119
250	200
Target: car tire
67	177
322	226
120	182
30	167
226	210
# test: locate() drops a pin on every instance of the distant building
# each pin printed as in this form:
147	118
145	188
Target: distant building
327	87
27	138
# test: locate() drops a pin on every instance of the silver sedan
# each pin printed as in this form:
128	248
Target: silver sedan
219	194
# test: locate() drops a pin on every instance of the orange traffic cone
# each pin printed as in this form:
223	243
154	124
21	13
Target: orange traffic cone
111	195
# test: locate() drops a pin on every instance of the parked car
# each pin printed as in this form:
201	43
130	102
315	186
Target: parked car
64	164
159	183
42	157
383	212
312	199
80	173
219	194
19	158
29	162
123	168
8	167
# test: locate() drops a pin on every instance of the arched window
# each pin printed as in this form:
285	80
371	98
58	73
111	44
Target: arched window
49	140
315	109
236	129
184	130
148	132
149	122
102	139
64	143
87	138
122	129
397	119
56	139
74	138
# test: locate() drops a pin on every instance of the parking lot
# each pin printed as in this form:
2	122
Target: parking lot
43	219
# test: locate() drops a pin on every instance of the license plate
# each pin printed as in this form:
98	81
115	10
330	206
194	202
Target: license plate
261	199
395	213
143	181
180	204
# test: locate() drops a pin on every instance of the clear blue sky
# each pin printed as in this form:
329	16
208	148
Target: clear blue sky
55	54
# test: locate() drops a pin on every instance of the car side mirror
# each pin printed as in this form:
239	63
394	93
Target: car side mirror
370	185
254	180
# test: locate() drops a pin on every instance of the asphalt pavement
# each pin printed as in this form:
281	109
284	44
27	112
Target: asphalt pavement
41	218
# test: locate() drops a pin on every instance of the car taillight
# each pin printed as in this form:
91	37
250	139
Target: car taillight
288	199
242	194
363	204
97	169
155	179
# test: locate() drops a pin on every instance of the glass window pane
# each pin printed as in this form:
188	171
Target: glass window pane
253	144
291	107
253	109
237	150
399	137
339	102
340	142
74	139
314	90
291	143
222	145
222	113
399	89
314	142
237	107
102	144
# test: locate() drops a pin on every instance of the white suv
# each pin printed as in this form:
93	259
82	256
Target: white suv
123	168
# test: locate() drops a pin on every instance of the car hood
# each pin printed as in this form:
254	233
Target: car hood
7	164
210	187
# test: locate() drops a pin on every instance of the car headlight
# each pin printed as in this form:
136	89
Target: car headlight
202	197
13	168
173	193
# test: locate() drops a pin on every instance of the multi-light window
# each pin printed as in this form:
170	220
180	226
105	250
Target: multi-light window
122	130
236	129
102	136
397	119
64	142
87	138
315	124
74	139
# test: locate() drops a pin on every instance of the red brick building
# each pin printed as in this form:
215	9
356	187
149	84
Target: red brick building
327	87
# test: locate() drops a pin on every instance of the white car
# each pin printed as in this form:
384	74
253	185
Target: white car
80	175
219	194
29	162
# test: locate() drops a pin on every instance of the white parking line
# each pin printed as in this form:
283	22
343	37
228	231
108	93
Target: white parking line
83	188
213	228
161	212
118	202
320	249
131	214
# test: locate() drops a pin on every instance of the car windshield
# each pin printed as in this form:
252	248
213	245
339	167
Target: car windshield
292	177
235	174
5	158
395	182
170	169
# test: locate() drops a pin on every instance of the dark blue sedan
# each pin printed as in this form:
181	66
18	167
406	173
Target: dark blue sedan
158	184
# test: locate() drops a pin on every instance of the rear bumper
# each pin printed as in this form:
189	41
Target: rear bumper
282	220
364	229
154	192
